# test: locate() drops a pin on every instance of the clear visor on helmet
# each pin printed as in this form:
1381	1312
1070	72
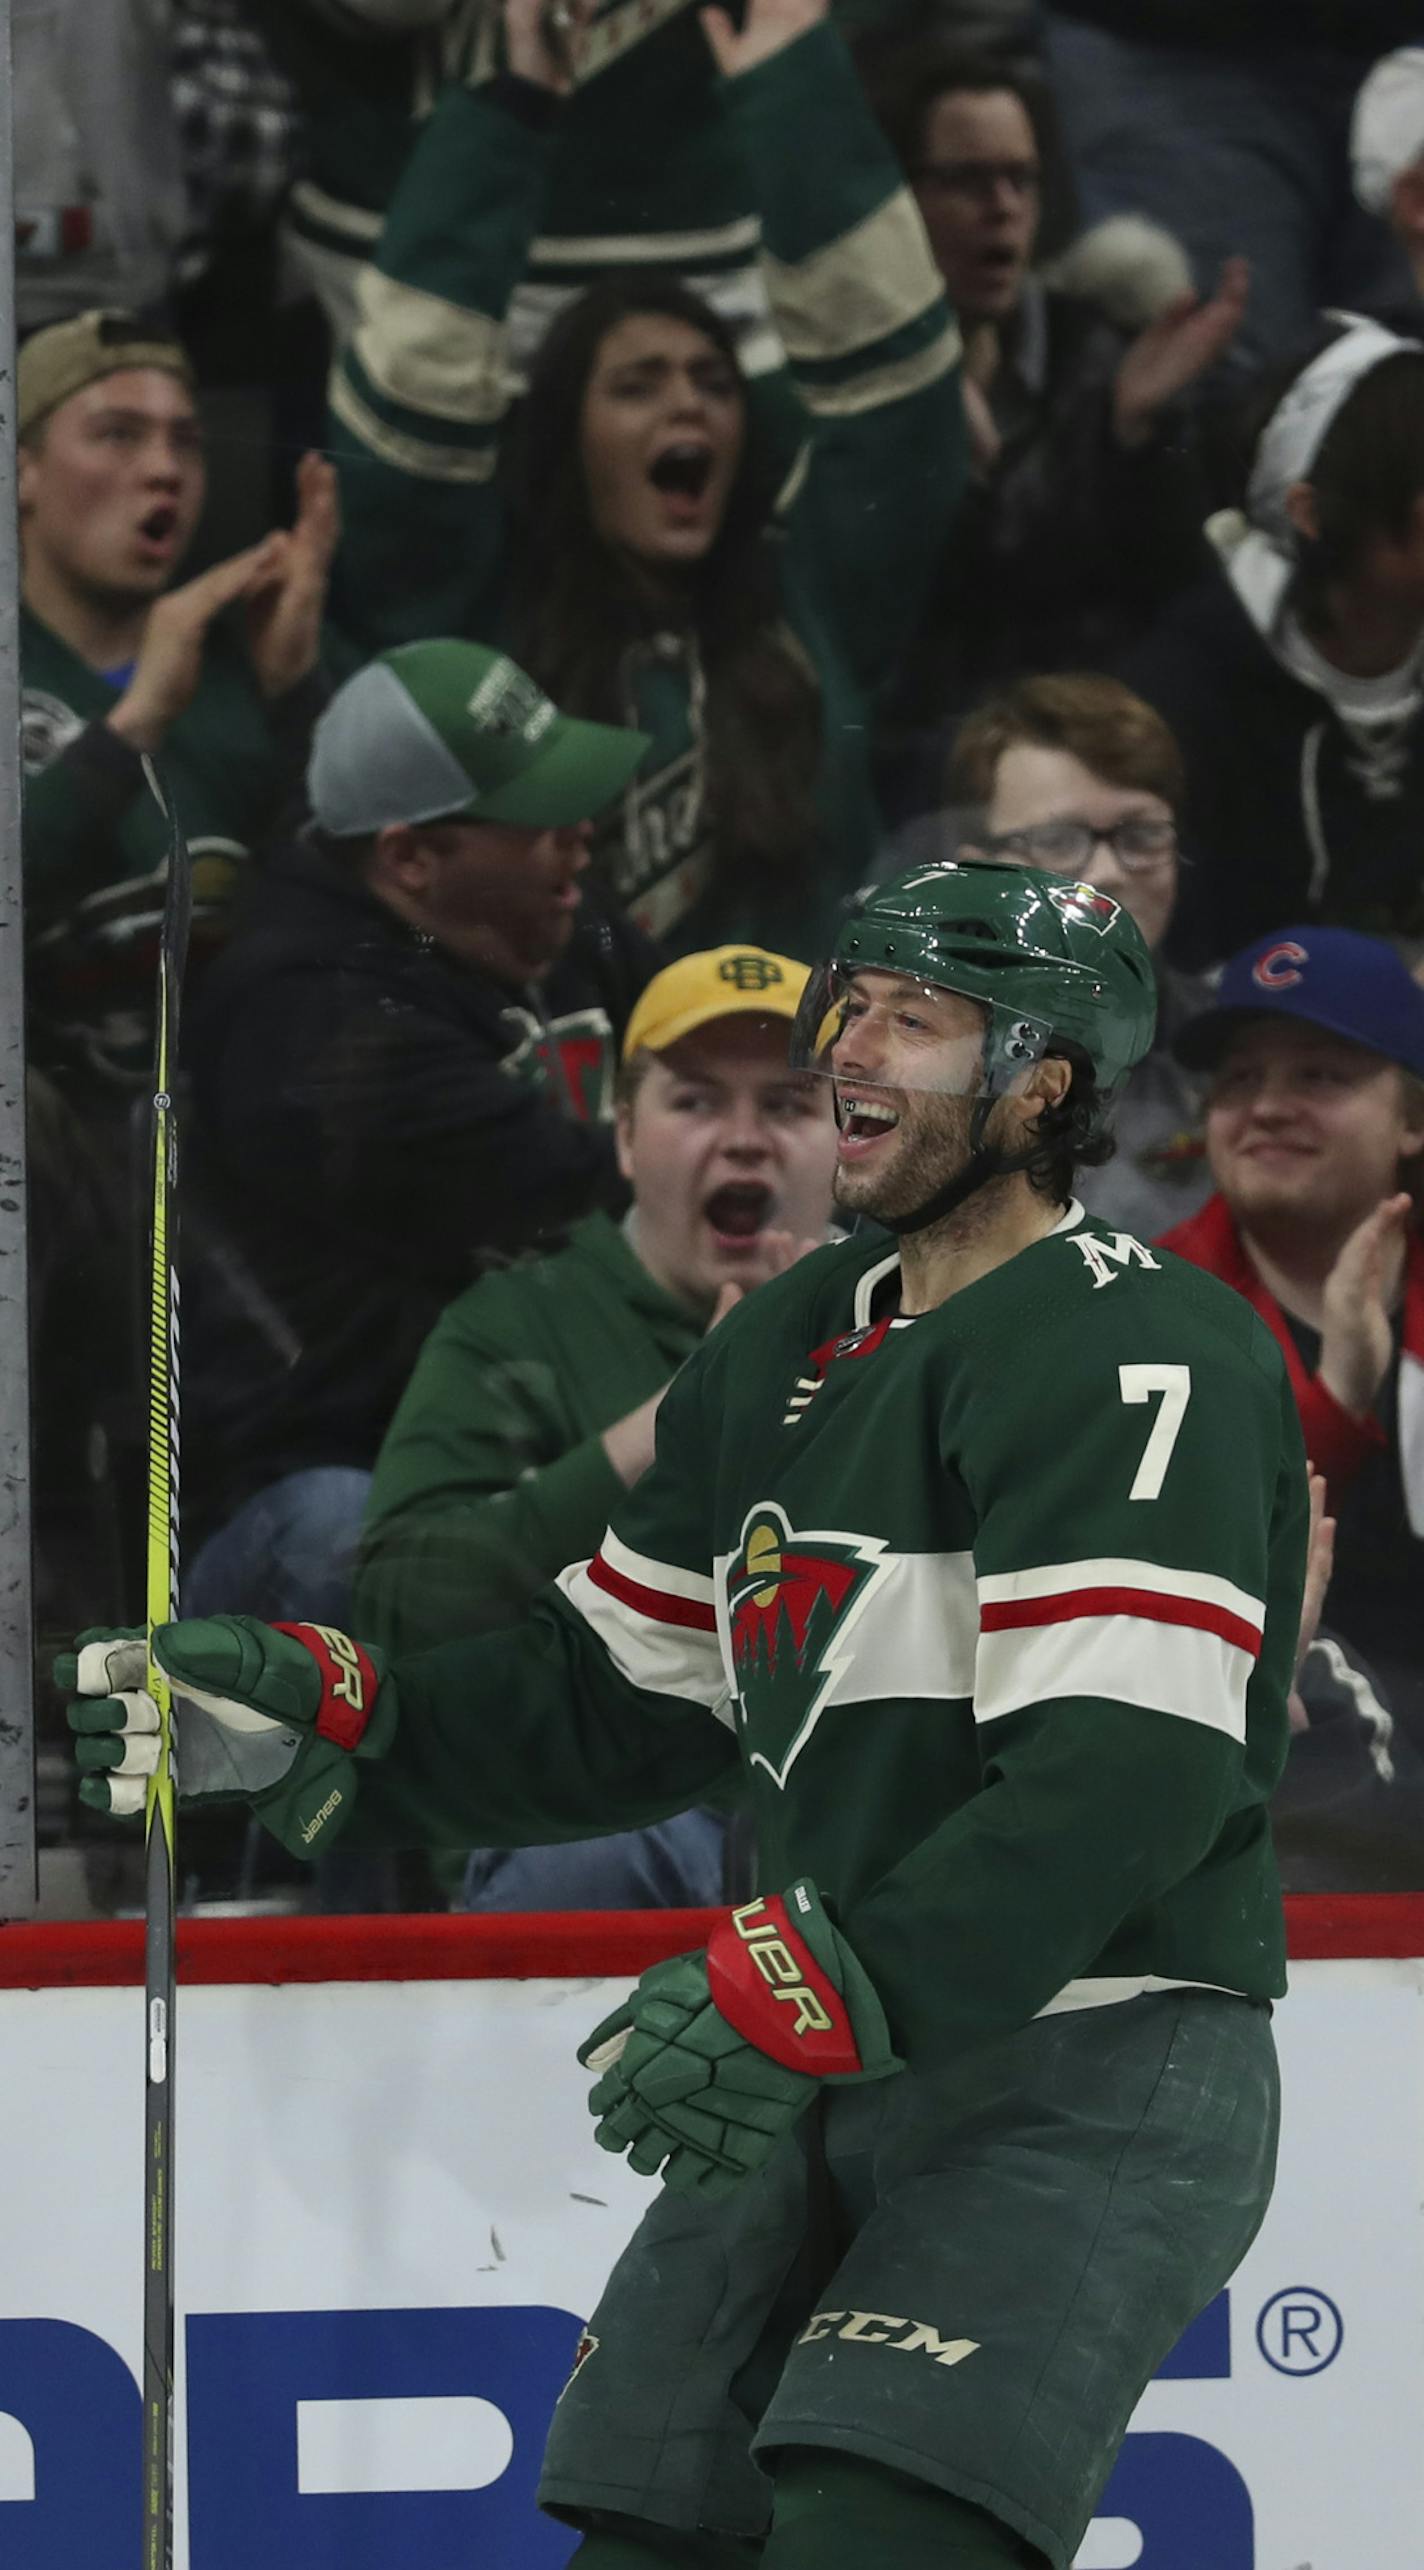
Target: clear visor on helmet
894	1031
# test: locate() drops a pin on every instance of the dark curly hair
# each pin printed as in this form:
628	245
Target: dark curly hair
1074	1134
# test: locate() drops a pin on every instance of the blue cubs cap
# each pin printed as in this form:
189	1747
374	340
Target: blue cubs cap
1353	986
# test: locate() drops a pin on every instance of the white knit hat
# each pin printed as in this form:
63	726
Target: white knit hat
1387	133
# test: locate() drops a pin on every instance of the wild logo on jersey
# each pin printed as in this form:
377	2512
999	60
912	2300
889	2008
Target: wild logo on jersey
571	1055
791	1598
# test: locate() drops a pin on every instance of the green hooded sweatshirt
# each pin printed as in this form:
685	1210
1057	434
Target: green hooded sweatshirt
493	1475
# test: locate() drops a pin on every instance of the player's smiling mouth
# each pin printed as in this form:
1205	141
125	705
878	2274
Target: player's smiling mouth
863	1122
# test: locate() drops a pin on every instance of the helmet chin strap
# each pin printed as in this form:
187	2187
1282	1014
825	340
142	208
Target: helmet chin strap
979	1168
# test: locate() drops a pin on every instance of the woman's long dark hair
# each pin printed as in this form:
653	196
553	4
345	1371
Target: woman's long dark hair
575	605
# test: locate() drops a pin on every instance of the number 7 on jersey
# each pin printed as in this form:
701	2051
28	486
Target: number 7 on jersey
1173	1385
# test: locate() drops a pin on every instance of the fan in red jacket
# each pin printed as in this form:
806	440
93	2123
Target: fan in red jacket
1315	1137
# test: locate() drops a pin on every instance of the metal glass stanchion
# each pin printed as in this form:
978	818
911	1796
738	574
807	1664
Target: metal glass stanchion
17	1727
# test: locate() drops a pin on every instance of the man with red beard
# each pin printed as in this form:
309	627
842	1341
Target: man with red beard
119	668
1314	1131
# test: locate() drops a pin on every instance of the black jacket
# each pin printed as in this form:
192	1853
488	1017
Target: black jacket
374	1122
1059	557
1366	27
1285	817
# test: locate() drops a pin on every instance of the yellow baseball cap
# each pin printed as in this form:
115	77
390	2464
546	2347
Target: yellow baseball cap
722	981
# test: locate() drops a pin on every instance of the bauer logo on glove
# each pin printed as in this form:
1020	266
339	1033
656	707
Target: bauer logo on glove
268	1713
763	1939
706	2068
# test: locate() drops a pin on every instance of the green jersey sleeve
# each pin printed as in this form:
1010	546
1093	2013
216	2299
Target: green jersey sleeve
1137	1476
607	1708
480	1496
871	345
419	397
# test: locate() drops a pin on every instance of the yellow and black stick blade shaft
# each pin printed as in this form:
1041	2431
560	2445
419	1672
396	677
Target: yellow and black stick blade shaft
162	1557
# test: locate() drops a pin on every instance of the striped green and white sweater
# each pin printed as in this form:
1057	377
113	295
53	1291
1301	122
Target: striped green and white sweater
420	396
369	73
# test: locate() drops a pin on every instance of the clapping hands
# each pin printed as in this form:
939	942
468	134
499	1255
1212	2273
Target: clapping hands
285	607
1167	358
1356	1339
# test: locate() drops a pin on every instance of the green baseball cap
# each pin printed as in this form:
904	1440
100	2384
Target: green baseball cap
450	730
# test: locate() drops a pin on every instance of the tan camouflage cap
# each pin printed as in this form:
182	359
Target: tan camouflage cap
62	360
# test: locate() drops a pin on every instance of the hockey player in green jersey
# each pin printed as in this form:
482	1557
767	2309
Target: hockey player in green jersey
979	1553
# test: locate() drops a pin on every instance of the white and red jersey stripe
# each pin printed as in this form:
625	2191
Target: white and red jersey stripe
657	1623
1135	1632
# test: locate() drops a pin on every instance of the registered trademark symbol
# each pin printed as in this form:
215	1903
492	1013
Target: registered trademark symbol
1300	2331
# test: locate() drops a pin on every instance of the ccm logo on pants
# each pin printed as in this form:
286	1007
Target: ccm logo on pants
878	2328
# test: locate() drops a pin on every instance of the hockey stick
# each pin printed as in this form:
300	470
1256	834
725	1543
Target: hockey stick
160	1607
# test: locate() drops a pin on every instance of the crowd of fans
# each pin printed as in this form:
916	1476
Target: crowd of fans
547	499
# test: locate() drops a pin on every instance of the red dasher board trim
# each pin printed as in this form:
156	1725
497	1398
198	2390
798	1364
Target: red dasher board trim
546	1945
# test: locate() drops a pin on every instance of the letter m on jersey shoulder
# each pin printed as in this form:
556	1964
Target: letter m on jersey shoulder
1106	1258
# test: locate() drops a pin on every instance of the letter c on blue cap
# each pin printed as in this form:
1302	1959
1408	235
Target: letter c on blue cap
1279	968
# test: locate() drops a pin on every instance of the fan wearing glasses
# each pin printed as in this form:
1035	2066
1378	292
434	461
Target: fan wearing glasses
1086	507
1075	773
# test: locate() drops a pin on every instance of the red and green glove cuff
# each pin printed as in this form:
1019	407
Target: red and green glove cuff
786	1980
349	1682
704	2070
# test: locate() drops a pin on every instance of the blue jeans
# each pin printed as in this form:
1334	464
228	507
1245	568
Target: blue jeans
1231	151
675	1865
288	1554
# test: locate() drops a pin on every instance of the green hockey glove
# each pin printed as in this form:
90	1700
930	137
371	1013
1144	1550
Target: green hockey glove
708	2065
264	1713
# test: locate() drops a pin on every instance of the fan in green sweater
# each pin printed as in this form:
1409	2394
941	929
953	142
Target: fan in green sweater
531	1407
214	684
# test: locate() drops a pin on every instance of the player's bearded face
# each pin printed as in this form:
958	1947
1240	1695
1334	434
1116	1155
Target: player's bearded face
907	1075
928	1149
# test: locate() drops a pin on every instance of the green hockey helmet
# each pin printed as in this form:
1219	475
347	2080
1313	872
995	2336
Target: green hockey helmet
1053	961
